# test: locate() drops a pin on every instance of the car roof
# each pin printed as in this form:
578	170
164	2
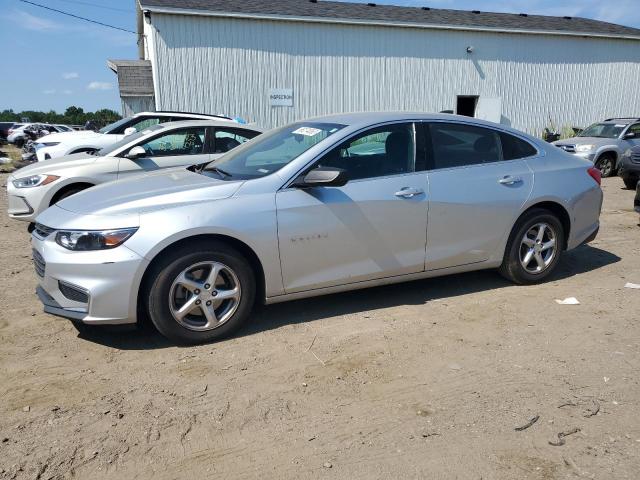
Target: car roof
369	118
622	120
206	123
167	113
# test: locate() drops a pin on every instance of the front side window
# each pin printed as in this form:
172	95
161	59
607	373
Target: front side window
603	130
514	147
226	139
185	141
458	145
382	151
635	129
271	151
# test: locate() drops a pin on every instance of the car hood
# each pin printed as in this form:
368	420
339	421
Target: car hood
67	136
597	141
150	192
55	165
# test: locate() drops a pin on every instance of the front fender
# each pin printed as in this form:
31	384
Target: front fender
256	227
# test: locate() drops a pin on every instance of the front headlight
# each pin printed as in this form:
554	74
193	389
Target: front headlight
46	144
584	148
34	181
80	240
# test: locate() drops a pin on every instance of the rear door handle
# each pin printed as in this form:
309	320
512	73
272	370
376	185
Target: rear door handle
509	180
408	192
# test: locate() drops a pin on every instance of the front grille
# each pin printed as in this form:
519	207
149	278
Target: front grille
635	156
42	231
39	263
73	293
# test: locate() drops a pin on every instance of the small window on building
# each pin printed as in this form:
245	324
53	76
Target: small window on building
458	145
466	105
514	148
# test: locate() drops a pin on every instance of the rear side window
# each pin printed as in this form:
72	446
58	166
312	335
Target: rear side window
514	148
457	145
229	138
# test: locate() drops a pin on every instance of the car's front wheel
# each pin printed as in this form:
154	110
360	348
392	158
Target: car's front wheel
534	248
202	295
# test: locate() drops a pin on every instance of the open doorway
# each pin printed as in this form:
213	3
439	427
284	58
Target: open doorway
466	105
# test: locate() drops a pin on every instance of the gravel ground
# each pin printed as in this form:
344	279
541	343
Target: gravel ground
427	379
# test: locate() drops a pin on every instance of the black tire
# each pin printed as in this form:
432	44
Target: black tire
511	267
159	295
630	183
607	165
31	227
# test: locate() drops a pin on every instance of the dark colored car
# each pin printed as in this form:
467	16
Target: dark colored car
629	169
4	129
636	202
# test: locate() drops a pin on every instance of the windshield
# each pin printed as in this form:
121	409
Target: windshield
126	140
603	130
113	126
271	151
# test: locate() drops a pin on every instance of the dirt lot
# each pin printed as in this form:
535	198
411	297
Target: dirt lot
421	380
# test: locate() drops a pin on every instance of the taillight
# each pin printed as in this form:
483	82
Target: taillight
595	174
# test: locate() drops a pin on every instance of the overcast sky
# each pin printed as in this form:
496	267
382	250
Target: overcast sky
50	61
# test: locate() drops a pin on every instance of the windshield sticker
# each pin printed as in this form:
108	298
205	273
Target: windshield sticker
620	126
307	131
263	170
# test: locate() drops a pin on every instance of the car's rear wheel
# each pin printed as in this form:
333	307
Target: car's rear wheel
607	165
534	247
630	183
196	297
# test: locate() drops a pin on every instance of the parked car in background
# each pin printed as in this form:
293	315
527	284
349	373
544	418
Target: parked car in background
58	145
4	129
629	169
35	187
604	143
19	135
320	206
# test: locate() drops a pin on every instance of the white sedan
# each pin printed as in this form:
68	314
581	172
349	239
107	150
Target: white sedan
88	141
34	188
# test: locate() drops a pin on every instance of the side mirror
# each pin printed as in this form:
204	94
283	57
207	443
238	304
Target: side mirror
629	135
136	152
129	131
323	177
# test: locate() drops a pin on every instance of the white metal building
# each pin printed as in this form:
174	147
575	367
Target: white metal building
277	61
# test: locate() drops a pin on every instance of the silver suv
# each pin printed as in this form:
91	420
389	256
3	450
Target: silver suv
604	143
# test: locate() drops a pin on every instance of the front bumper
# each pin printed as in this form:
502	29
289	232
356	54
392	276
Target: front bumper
97	287
25	203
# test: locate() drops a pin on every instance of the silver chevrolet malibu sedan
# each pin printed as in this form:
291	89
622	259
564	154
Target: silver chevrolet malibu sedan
326	205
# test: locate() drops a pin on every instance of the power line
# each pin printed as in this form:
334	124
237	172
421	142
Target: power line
97	6
78	17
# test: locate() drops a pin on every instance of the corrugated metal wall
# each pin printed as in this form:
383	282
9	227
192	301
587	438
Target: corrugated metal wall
215	65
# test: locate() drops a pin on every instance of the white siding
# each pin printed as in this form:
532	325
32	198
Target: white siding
224	65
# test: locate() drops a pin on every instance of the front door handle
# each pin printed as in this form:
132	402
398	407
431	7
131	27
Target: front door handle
509	180
409	192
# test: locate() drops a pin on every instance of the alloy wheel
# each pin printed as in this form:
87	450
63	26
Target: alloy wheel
538	248
204	296
605	166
